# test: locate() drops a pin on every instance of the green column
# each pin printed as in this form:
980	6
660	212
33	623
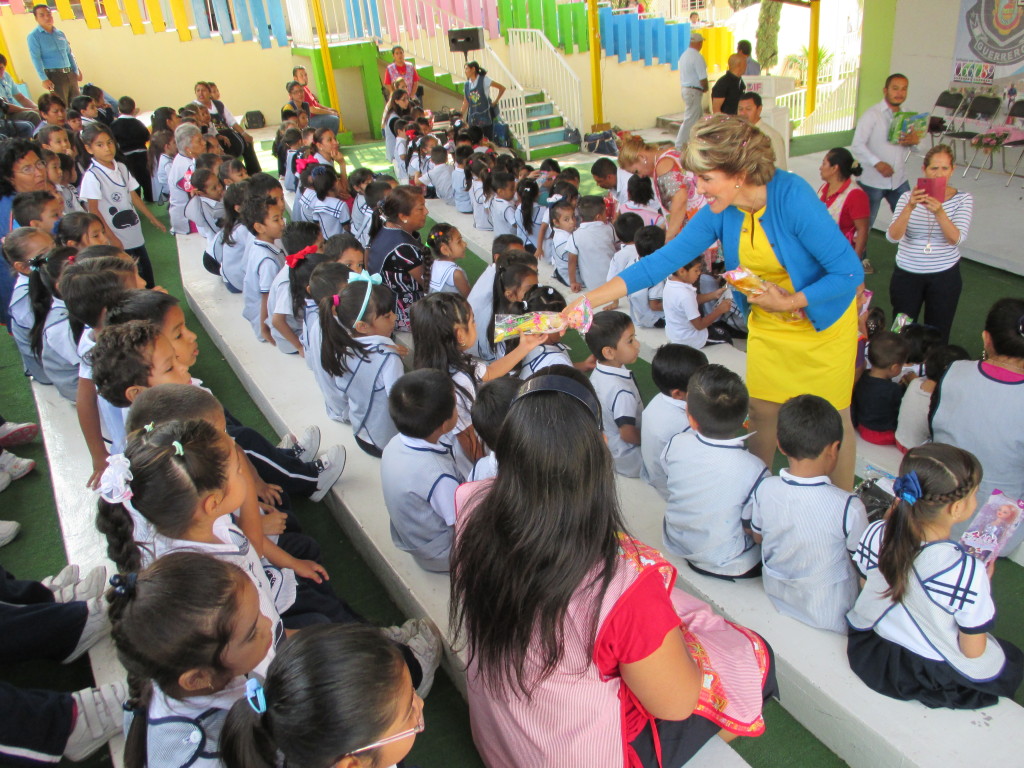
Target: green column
506	18
536	10
877	33
551	21
579	25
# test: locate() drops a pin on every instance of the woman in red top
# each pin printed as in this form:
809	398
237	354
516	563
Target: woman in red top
846	201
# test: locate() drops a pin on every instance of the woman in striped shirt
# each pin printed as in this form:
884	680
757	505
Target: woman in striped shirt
929	233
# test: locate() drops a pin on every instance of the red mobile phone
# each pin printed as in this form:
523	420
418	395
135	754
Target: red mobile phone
934	188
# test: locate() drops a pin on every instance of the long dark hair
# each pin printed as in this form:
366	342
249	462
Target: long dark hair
166	485
512	572
158	120
330	690
508	274
42	288
1005	326
399	202
322	179
157	144
528	192
233	198
440	234
338	319
177	616
841	158
947	474
434	345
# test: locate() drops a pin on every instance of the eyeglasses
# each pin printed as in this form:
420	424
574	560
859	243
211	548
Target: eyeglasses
31	170
392	739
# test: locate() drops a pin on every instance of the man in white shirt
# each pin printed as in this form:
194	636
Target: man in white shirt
885	164
749	109
693	83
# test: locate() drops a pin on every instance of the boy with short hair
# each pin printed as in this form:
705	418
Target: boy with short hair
418	471
683	321
612	340
647	306
665	415
131	357
807	527
40	209
263	259
711	478
594	241
876	402
441	175
132	136
489	410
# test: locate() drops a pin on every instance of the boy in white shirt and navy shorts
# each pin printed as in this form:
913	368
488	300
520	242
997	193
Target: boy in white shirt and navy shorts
683	321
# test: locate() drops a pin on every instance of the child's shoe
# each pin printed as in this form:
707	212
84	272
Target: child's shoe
98	718
305	448
97	626
15	467
425	645
12	434
329	468
90	588
8	528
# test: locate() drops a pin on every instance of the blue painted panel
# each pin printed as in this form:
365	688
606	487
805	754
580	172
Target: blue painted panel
223	17
606	21
199	15
660	39
277	23
242	19
355	20
621	38
373	17
633	26
647	41
259	22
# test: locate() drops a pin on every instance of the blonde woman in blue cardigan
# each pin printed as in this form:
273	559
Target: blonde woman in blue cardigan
772	223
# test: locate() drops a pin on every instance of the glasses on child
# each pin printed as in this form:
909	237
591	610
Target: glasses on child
392	739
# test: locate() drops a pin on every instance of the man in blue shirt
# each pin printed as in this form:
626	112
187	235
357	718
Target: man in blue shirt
15	108
52	57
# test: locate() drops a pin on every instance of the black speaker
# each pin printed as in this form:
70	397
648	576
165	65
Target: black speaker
466	40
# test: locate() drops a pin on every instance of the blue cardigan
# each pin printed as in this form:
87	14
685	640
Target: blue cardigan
806	240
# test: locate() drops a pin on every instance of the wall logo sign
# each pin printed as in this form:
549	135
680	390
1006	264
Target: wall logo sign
996	30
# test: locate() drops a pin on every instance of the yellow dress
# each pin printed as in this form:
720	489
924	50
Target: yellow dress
785	359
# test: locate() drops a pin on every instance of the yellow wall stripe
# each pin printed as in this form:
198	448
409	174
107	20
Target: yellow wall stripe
181	20
92	19
65	10
156	15
113	13
134	14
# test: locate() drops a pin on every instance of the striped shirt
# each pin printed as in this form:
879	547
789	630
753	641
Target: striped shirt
923	248
809	529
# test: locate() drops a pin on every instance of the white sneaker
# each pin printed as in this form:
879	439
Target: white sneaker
97	626
15	467
16	434
91	587
99	717
425	645
67	577
8	531
329	467
403	633
5	481
306	447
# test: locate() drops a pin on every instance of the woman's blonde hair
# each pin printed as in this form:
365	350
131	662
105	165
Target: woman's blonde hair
733	146
630	148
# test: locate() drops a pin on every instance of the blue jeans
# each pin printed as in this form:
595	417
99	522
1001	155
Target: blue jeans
325	121
875	195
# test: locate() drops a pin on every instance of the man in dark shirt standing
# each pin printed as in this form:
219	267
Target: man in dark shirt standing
725	96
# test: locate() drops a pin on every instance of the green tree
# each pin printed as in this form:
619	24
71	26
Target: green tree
768	34
739	5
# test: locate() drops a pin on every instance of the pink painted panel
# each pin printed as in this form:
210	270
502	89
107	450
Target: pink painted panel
17	6
391	19
412	27
491	17
475	17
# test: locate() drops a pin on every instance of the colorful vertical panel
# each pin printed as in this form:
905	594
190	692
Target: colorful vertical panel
354	18
17	6
92	18
259	22
475	14
199	14
660	44
113	11
180	16
621	38
632	22
535	11
491	17
134	14
519	15
647	41
277	22
67	13
565	36
391	19
156	16
605	22
411	10
373	15
580	29
505	17
551	21
222	15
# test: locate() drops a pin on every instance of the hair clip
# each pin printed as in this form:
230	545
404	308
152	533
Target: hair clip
178	450
124	585
115	482
255	696
71	258
908	488
320	170
370	280
335	299
293	259
149	427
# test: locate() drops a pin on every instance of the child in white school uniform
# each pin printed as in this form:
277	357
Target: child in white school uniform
205	210
327	280
481	295
263	260
806	526
489	411
595	242
503	209
626	226
301	242
358	181
665	416
641	201
440	268
612	340
292	141
305	200
230	244
544	298
647	306
563	250
461	179
162	150
329	211
711	479
441	175
912	427
481	192
25	252
920	629
684	323
531	218
418	471
52	341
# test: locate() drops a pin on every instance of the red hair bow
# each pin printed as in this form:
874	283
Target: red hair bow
293	259
304	162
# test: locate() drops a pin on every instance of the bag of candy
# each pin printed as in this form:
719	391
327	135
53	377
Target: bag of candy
507	326
749	284
992	526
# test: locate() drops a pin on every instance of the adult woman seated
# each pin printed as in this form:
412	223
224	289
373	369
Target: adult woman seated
252	163
477	101
979	406
239	142
398	106
772	223
21	170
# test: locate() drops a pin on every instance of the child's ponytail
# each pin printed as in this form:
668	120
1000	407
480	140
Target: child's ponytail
440	234
45	272
434	343
932	476
507	276
528	192
233	198
330	691
339	314
322	179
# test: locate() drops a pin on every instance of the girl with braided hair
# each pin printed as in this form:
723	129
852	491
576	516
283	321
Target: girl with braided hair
441	270
189	631
920	625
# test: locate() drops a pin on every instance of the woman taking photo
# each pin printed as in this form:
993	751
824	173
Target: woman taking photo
395	252
770	222
476	100
664	167
929	232
847	203
583	655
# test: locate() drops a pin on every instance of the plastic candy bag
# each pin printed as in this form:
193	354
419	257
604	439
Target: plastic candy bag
507	326
992	526
749	284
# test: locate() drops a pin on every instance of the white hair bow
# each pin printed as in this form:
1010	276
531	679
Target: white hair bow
115	482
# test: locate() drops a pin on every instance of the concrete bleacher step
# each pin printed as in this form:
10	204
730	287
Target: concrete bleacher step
70	467
272	380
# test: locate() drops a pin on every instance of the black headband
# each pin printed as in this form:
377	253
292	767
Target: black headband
565	385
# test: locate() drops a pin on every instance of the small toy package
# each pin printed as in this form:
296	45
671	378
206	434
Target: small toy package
507	326
992	526
901	321
749	284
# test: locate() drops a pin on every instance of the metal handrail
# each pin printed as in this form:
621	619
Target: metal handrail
542	67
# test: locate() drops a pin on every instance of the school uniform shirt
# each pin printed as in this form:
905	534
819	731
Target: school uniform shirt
332	214
112	187
912	427
595	247
562	244
620	405
112	418
664	418
22	320
442	178
367	385
206	214
362	217
481	206
60	351
442	277
539	217
463	199
465	396
179	187
232	257
275	588
649	212
335	399
626	256
279	302
291	180
401	166
485	468
710	486
307	204
481	299
948	593
161	186
69	195
810	528
414	166
503	216
680	303
622	186
262	263
185	733
419	480
640	306
543	356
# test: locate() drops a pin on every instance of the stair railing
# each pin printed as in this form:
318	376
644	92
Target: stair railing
541	67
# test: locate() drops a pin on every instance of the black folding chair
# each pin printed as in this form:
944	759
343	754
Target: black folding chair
1016	112
981	108
945	110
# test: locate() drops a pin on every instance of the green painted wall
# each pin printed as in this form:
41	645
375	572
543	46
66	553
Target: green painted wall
875	51
359	55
